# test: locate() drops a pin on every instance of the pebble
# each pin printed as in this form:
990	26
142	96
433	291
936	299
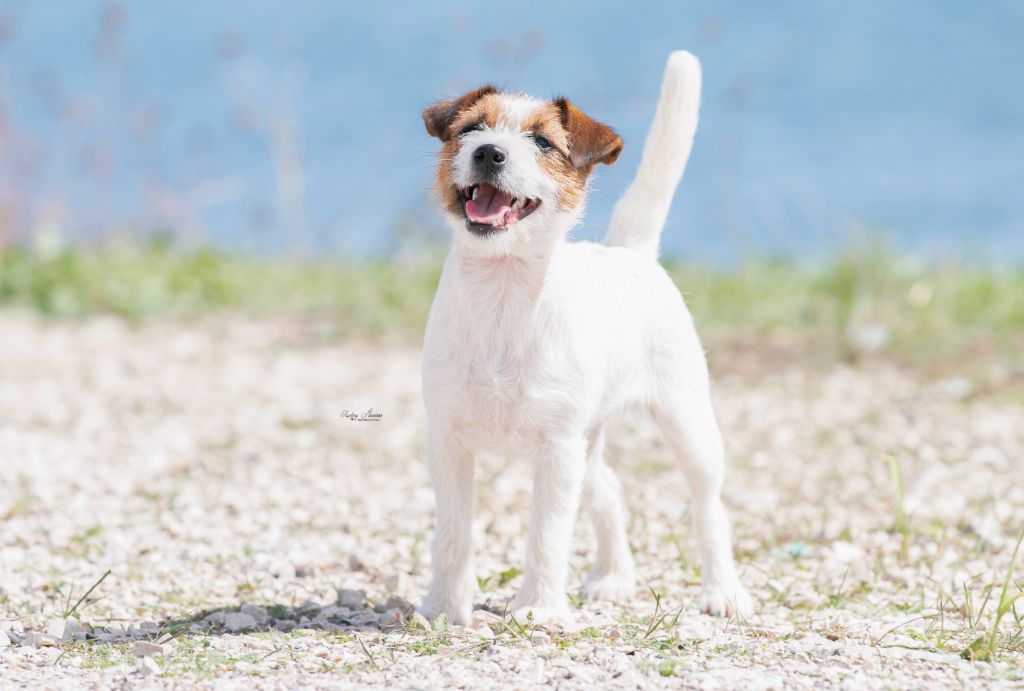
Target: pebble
391	619
806	441
146	649
65	629
148	667
395	583
539	638
397	602
237	621
259	614
353	599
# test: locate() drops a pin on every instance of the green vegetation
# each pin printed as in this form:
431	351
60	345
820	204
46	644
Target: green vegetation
861	301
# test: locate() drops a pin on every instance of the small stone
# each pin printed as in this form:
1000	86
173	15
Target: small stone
55	629
419	621
333	612
146	649
259	614
355	563
5	640
391	619
237	621
539	638
148	667
395	582
215	617
614	634
397	602
285	625
353	599
309	606
36	640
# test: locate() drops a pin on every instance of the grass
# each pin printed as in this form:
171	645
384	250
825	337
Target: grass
862	300
72	610
984	647
902	522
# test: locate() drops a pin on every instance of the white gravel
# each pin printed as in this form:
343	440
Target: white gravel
256	538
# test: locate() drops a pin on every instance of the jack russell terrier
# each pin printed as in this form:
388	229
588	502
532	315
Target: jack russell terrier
534	342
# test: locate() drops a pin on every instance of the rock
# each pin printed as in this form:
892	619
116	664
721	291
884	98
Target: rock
65	629
370	618
5	640
356	564
285	625
396	602
614	634
237	621
419	621
146	649
148	667
259	614
353	599
395	582
37	640
333	612
392	619
539	638
215	617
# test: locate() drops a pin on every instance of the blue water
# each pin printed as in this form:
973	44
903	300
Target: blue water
295	126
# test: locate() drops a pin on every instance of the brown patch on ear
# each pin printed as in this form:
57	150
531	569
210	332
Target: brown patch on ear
590	142
439	117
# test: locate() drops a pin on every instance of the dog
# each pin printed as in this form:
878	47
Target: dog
534	342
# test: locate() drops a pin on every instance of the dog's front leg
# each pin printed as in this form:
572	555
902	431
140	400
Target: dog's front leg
558	480
451	590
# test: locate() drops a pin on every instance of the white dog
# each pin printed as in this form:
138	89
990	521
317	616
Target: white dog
534	342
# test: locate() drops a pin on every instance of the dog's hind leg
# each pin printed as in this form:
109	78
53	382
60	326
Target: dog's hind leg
686	417
613	576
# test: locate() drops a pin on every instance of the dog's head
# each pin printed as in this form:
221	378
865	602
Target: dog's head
513	169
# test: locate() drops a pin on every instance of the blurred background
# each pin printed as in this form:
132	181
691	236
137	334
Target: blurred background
262	128
857	170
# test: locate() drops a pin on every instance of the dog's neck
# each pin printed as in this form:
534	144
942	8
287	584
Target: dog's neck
510	274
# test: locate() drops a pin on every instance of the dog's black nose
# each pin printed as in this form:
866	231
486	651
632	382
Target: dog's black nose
490	157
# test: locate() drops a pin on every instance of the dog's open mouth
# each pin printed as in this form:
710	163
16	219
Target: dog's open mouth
490	209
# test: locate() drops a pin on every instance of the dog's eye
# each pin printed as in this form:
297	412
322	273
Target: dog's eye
471	128
542	142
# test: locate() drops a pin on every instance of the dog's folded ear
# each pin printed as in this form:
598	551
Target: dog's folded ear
590	142
439	117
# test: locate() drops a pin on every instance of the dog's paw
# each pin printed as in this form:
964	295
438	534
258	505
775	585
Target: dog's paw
557	615
615	587
541	611
724	601
457	613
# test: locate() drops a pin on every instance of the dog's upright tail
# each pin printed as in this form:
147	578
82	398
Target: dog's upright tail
640	215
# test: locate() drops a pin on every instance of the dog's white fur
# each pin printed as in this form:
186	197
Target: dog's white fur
534	342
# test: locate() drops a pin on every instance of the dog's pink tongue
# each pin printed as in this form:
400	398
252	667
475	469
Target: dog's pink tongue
490	205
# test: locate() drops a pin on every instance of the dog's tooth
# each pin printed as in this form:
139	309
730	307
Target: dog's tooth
472	191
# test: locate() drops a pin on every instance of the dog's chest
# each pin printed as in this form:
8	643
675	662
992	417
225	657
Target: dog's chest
510	387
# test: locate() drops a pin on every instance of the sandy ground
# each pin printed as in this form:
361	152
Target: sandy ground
208	467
